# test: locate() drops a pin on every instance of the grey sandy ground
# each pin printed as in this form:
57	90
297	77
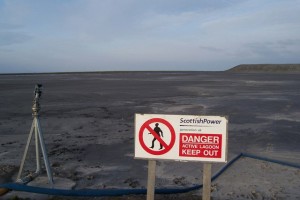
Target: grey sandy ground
88	123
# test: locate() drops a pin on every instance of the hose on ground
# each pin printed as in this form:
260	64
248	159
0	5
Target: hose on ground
120	192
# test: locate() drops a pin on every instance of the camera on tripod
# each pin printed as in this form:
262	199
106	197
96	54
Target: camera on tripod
36	104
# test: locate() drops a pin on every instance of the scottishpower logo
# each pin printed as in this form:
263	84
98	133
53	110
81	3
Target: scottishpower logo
199	121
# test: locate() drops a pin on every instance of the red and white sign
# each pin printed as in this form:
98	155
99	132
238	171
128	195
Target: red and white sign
181	137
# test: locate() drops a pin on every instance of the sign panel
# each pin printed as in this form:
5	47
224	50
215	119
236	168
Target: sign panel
181	137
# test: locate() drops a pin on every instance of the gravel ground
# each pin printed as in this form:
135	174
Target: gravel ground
88	123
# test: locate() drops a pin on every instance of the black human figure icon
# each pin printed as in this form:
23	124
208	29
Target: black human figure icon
159	133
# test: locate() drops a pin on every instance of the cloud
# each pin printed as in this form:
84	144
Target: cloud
211	48
9	38
277	51
8	26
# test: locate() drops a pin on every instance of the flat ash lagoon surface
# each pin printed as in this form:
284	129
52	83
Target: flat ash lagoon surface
87	120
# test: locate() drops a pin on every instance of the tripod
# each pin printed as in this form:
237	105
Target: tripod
39	143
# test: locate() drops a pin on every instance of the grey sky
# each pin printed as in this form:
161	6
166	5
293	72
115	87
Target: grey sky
93	35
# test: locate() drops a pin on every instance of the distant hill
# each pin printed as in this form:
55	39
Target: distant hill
287	68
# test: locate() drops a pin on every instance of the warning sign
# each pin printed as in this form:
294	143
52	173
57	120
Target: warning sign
181	137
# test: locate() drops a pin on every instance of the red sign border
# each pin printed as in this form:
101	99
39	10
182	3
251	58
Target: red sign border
166	123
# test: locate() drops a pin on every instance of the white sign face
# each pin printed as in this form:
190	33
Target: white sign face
181	137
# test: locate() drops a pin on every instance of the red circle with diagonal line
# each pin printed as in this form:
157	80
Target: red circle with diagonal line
167	147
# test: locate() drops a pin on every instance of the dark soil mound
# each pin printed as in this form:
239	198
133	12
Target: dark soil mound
286	68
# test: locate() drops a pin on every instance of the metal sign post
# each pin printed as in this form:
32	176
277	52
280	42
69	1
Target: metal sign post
39	143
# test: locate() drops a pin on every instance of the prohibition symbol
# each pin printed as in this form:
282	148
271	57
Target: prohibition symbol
146	127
